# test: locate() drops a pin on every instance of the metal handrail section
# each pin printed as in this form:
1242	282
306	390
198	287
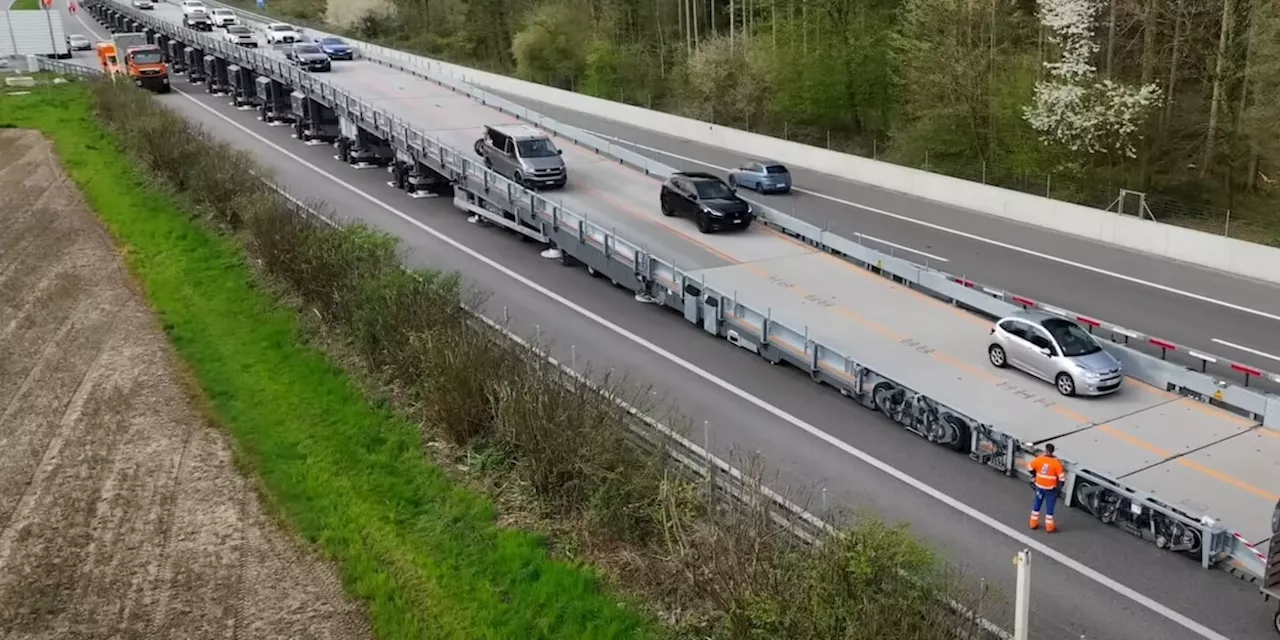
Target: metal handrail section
634	267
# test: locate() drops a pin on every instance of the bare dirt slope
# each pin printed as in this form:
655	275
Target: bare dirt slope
121	515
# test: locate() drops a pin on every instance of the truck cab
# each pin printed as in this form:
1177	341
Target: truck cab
524	155
129	55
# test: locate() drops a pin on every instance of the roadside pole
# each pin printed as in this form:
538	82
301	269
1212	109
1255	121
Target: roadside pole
47	6
1022	606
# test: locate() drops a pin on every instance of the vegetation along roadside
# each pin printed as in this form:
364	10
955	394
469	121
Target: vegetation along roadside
386	425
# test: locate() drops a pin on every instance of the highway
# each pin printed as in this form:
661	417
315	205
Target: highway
588	317
1189	305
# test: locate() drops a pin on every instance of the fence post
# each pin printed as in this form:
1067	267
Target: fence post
1022	606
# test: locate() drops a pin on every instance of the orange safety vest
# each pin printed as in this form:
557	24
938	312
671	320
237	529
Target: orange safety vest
1049	472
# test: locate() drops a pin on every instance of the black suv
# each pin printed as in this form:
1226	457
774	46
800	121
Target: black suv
705	198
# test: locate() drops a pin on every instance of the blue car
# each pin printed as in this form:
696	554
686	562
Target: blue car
762	176
336	48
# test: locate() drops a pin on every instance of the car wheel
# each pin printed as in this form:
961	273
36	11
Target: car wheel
759	186
518	178
1066	385
995	353
703	224
666	211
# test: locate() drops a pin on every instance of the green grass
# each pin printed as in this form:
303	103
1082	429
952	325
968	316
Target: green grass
422	553
22	5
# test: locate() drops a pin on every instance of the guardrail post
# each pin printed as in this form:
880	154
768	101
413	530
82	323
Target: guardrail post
1022	605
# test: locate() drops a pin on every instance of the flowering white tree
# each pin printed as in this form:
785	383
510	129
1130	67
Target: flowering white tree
1071	106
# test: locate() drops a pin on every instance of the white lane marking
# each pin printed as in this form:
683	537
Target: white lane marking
870	460
970	236
901	247
1245	349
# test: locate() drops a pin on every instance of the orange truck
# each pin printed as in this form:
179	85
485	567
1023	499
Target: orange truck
129	55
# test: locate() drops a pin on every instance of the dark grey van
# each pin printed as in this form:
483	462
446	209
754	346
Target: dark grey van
523	155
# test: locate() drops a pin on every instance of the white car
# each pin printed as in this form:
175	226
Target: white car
145	5
223	17
281	33
78	42
241	35
193	5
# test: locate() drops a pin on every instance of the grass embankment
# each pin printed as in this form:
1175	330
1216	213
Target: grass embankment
24	5
423	553
356	478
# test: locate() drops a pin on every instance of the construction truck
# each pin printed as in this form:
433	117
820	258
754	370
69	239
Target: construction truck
1271	577
129	55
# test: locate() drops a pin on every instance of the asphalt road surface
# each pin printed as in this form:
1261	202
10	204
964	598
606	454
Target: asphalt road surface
1083	576
1174	301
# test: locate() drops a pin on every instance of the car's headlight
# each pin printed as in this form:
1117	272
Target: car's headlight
709	211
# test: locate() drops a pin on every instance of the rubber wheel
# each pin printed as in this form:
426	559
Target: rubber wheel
1066	386
1277	622
666	211
519	180
995	353
703	225
759	186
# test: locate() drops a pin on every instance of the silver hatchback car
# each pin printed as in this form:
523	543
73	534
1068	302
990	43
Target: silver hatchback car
765	176
1056	350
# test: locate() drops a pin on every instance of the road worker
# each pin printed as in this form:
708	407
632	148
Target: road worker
1049	475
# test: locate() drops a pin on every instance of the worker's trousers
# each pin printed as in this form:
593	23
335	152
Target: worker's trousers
1047	498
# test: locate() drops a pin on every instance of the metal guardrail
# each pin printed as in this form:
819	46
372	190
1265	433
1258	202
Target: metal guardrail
632	266
58	66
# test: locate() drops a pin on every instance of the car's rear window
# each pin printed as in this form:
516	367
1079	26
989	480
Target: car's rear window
774	168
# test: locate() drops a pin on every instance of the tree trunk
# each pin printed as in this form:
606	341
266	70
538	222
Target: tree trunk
662	45
1111	41
733	20
1219	80
1246	80
697	29
773	20
1149	30
1173	62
